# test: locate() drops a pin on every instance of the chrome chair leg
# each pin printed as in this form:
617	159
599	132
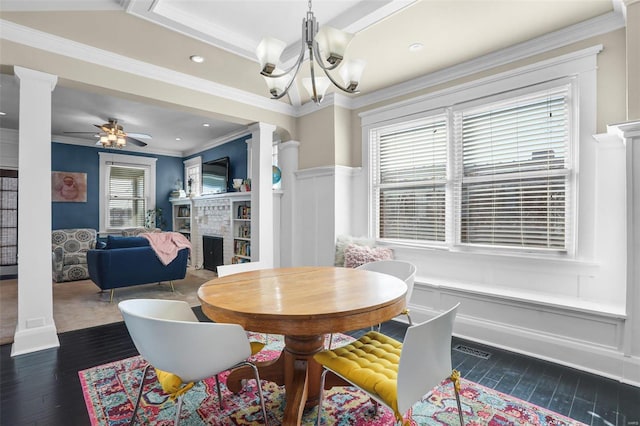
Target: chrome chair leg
113	290
135	408
178	410
258	385
172	289
218	389
455	380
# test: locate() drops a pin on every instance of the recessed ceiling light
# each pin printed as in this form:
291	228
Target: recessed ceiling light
3	113
197	59
206	125
178	139
414	47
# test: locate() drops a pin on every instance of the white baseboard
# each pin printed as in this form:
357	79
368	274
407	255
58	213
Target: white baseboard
599	360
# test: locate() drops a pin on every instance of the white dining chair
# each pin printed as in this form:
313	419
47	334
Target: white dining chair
402	269
183	350
396	374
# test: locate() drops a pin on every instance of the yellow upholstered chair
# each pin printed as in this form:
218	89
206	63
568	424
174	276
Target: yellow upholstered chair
183	350
396	374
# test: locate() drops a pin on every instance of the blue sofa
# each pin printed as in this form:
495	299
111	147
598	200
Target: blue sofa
129	261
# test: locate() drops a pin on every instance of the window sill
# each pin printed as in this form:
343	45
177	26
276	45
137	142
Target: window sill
527	297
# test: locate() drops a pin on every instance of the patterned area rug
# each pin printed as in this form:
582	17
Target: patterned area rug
110	391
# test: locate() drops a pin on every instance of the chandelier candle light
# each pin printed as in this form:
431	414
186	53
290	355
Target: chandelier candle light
326	47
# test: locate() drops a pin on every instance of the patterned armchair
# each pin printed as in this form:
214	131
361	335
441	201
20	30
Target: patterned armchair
69	253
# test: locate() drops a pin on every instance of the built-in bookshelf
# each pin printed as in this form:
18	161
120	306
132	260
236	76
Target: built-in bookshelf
241	220
182	217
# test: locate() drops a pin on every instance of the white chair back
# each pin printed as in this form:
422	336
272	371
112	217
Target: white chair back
404	270
168	335
425	359
236	268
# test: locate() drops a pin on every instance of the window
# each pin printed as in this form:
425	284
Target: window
8	218
192	169
127	185
410	176
127	201
515	169
483	174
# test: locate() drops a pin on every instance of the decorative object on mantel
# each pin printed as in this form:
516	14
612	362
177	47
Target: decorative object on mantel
276	174
237	184
69	187
326	47
246	185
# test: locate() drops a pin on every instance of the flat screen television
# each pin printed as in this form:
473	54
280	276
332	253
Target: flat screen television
215	176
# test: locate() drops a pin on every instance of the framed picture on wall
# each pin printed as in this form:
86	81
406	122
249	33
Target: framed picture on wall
69	187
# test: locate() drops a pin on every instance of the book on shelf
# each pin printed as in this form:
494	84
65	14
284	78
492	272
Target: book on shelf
244	212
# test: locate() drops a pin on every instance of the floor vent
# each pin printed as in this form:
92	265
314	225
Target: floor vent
472	351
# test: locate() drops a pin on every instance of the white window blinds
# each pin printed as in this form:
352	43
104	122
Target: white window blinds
513	162
409	180
127	197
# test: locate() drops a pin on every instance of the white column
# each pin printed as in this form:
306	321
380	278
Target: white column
288	162
36	329
261	193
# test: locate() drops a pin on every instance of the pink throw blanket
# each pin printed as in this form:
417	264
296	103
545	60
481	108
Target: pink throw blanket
167	244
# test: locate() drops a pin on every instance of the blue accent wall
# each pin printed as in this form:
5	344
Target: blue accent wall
83	159
236	150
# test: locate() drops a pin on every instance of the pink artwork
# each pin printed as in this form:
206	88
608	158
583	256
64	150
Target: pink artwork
69	187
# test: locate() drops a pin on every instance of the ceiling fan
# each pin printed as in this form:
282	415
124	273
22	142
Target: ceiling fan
113	135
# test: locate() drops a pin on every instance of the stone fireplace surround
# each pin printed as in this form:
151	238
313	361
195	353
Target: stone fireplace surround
211	215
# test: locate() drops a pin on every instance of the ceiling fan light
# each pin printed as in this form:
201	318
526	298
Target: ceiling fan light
112	137
120	142
268	52
351	73
322	84
333	43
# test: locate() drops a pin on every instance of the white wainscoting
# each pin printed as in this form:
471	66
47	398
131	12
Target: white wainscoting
512	304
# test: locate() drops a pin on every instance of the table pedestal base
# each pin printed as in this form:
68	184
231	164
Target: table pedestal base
296	369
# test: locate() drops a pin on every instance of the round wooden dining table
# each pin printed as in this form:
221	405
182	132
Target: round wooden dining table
303	304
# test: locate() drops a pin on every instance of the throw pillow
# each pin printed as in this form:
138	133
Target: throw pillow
343	241
356	255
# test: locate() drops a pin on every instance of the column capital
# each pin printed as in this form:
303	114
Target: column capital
261	127
24	74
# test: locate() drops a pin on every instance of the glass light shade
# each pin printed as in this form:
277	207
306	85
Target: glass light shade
268	52
277	85
121	141
333	43
351	72
111	137
322	84
104	140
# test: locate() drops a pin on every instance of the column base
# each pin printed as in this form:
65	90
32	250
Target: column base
34	339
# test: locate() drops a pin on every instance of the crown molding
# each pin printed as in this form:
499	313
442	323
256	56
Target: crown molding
58	5
600	25
72	49
129	148
65	47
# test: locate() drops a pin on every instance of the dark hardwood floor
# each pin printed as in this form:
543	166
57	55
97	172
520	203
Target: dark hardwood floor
43	388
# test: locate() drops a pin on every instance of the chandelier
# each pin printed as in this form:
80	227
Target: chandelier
112	135
326	47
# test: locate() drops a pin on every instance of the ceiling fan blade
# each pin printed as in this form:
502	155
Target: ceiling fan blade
102	127
139	135
136	141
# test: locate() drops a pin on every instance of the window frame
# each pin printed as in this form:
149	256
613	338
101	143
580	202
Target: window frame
579	68
107	160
